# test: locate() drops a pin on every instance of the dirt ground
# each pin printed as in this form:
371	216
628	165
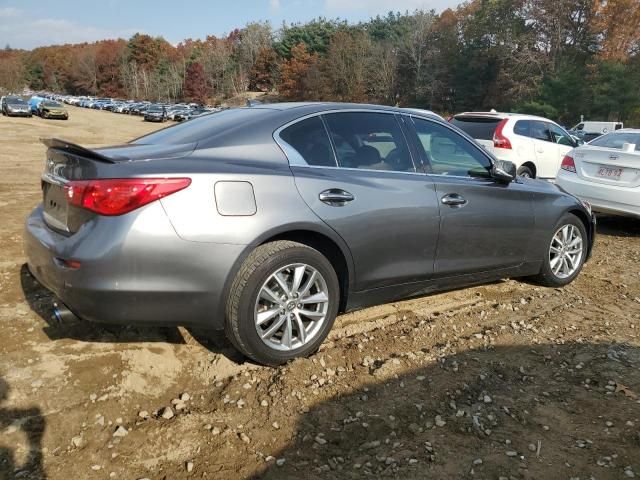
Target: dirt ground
504	381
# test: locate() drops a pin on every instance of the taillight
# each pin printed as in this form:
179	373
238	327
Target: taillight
499	140
568	164
117	196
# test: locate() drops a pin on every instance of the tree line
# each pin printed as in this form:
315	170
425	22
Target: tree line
557	58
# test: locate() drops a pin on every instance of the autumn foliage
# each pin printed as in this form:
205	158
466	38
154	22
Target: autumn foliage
195	84
559	58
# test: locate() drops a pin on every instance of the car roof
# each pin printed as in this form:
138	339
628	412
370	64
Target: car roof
299	109
502	115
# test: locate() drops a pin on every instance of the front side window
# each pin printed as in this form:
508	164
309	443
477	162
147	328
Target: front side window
559	136
540	131
448	153
310	143
371	141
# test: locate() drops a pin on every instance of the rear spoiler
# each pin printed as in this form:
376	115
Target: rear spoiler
75	149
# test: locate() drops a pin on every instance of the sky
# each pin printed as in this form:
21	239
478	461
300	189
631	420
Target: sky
32	23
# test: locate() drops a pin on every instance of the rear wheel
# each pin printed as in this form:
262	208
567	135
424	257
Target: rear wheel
525	172
566	252
282	303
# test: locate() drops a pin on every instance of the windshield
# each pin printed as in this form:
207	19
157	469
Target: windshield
16	101
51	104
480	128
617	140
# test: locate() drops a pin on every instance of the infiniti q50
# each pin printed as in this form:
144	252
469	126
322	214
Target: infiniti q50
268	221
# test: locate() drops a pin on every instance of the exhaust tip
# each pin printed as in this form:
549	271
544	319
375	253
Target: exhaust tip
62	314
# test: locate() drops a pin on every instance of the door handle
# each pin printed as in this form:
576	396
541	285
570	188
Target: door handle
335	197
454	200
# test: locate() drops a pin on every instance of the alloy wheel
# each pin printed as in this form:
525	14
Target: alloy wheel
565	252
291	307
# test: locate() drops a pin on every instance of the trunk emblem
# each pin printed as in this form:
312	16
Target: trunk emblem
613	157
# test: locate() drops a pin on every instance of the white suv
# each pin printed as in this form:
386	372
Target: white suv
535	144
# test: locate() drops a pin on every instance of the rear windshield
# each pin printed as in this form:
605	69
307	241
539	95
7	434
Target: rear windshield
479	128
616	140
200	128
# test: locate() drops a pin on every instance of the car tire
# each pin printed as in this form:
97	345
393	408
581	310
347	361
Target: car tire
549	276
258	271
525	172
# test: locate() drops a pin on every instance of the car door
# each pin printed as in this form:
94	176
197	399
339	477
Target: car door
546	150
485	224
355	171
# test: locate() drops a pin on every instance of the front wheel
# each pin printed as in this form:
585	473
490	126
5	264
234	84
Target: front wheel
565	253
282	303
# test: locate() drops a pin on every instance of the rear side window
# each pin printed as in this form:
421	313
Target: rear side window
617	140
479	128
522	127
309	143
371	141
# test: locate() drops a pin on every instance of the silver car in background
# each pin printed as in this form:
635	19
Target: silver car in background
268	221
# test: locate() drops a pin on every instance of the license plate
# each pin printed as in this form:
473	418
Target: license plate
612	173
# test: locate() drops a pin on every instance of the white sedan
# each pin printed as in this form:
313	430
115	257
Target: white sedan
605	172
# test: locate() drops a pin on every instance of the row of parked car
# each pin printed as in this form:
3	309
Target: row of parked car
17	106
152	112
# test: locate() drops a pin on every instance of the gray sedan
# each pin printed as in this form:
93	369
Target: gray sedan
268	221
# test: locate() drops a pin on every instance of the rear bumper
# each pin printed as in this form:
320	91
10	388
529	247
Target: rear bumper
134	270
603	197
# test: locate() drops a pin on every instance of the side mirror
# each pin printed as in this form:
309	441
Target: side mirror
504	171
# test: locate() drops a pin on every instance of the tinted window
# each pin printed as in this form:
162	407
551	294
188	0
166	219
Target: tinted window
448	153
309	140
479	128
522	127
372	141
617	140
539	131
559	136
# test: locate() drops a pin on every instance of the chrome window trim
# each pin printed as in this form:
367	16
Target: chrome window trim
359	169
296	160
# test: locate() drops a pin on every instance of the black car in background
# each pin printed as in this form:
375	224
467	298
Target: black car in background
156	113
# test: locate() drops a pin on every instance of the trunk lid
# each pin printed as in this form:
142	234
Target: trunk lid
68	161
610	166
